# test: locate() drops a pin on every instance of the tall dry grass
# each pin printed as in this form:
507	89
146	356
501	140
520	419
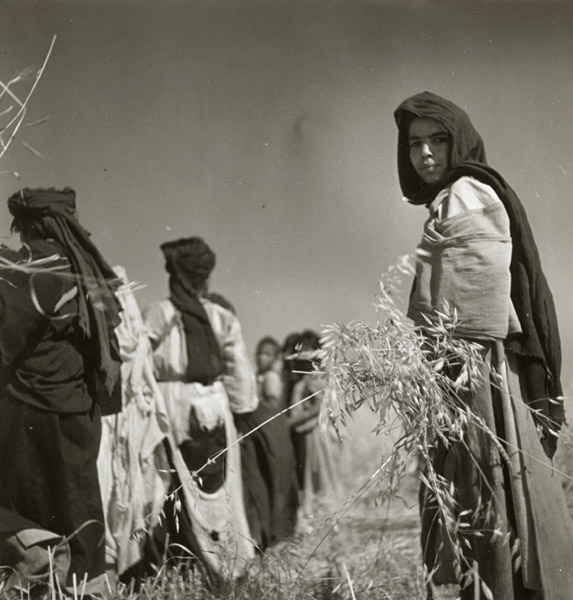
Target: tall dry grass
14	102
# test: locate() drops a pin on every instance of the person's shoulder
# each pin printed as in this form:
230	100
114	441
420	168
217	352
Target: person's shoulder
473	193
158	311
218	312
221	300
466	194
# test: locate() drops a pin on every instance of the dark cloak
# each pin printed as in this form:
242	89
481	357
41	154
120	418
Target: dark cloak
49	420
54	211
539	342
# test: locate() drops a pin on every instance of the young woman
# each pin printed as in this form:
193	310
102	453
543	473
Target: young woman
478	257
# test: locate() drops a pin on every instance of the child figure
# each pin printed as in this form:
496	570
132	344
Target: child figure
269	381
316	450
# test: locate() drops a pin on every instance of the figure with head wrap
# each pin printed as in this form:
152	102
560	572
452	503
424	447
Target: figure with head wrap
204	373
59	371
478	260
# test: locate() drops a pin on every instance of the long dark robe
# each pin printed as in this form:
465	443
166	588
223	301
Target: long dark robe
269	476
514	493
49	423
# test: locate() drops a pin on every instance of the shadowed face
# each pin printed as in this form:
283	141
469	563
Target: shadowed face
266	356
429	149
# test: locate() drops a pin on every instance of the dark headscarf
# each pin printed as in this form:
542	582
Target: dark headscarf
539	343
54	211
189	261
465	142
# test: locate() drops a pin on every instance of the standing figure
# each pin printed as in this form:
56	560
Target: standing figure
205	377
269	380
317	460
290	376
267	456
478	258
132	462
60	370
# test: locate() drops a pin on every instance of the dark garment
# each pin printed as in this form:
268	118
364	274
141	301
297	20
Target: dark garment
299	445
205	450
269	476
53	213
481	482
48	475
513	492
49	423
539	343
41	352
204	363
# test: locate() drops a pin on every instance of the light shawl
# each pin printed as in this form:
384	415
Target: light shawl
98	305
464	260
539	342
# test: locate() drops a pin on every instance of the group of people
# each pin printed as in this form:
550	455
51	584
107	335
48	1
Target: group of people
290	381
128	436
202	454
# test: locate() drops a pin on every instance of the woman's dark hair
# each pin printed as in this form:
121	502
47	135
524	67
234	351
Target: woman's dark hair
309	340
290	343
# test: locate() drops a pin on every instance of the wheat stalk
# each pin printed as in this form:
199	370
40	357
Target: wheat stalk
9	130
417	376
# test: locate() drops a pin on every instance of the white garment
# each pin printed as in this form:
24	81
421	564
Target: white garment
132	464
463	263
218	519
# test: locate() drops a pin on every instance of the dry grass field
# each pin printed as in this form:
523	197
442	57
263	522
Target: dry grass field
354	548
360	550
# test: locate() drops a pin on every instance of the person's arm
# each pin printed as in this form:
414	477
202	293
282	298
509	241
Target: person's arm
155	321
239	377
306	399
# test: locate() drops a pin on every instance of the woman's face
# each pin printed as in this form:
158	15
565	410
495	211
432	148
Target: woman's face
266	356
429	149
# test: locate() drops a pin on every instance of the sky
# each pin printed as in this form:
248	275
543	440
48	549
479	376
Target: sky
266	127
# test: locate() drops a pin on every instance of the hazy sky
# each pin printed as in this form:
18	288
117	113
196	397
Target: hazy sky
266	127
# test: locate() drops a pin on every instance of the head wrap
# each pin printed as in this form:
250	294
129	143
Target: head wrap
465	142
539	343
189	262
98	305
189	258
